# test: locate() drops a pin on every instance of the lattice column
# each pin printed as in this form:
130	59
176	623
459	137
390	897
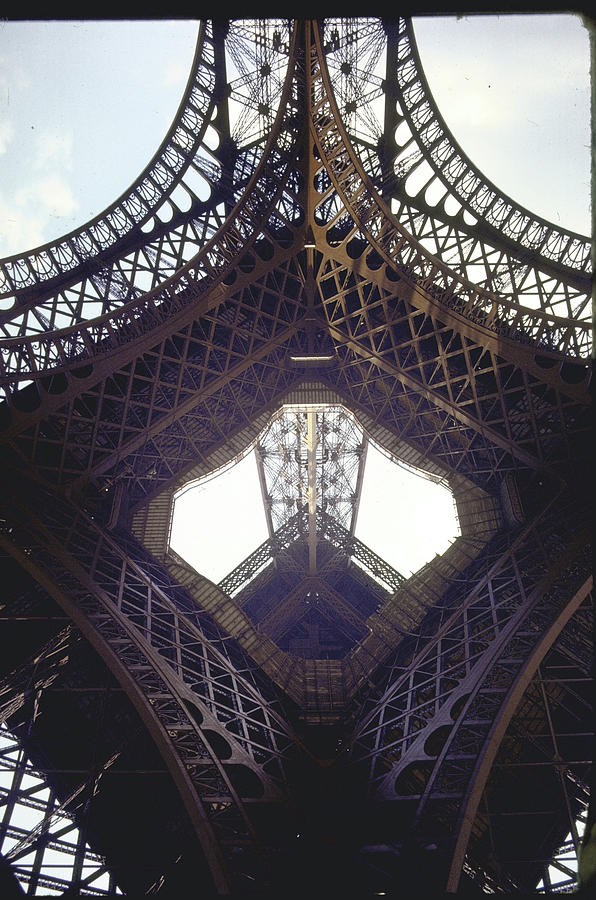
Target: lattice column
185	686
421	742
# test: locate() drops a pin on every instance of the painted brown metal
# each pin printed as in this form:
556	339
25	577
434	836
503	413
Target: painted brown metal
135	360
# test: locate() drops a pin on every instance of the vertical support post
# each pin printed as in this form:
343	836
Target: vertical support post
311	450
226	152
387	147
358	488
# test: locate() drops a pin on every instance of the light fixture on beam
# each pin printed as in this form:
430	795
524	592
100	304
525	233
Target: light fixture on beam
309	239
312	360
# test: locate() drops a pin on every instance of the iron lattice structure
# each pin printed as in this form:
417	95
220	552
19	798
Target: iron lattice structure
308	236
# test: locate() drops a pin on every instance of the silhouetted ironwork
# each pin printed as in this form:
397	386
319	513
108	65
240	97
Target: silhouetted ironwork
309	236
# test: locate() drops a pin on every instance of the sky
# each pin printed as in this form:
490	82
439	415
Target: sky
199	534
57	858
84	106
391	495
515	92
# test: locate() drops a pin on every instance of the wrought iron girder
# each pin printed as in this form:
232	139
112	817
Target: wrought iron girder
66	258
569	592
561	299
493	591
32	357
441	199
270	549
163	389
448	442
93	763
481	258
457	441
34	678
373	299
451	337
273	278
25	788
352	546
506	221
443	389
112	334
126	667
161	648
176	201
292	608
295	529
290	471
391	241
542	766
503	396
422	741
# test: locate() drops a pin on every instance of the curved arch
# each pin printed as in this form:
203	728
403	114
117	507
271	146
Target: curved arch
396	245
172	660
198	198
497	731
134	207
473	189
31	356
410	107
143	706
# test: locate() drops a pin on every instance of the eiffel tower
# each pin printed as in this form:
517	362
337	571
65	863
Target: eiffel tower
309	244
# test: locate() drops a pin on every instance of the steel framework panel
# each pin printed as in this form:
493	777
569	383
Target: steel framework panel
308	219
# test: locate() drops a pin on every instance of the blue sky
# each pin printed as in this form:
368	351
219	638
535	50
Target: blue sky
515	91
83	108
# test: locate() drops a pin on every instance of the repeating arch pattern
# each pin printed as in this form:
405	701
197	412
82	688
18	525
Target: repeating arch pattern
308	230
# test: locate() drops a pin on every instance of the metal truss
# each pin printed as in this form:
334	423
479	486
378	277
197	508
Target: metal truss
70	747
34	355
64	260
177	203
50	854
435	190
297	529
547	748
278	590
201	702
39	834
311	458
426	741
503	313
308	230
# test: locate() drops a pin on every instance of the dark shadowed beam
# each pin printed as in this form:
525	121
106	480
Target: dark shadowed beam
366	353
499	726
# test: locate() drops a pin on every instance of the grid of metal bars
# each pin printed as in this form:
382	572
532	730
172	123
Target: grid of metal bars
441	331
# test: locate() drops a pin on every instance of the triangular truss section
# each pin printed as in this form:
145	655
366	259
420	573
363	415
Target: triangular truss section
309	238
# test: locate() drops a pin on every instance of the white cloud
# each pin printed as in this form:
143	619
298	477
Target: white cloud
13	77
35	213
6	135
494	72
176	73
20	227
54	149
56	195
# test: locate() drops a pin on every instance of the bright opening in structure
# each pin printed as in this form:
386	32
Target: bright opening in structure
561	875
38	836
220	519
404	516
313	463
